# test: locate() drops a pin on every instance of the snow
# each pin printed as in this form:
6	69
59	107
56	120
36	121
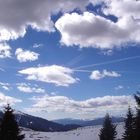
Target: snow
84	133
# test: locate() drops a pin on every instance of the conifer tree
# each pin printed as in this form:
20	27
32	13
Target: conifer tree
9	127
108	132
137	118
129	126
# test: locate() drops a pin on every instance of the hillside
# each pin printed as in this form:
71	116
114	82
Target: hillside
84	133
98	121
40	124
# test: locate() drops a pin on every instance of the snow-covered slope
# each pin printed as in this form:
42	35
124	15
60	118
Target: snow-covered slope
84	133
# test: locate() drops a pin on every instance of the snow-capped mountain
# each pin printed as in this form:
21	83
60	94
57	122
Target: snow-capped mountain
40	124
81	122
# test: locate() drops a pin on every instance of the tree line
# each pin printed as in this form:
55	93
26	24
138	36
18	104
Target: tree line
131	125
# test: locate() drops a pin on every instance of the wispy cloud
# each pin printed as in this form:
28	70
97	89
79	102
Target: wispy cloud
108	62
36	45
75	60
5	86
27	88
119	87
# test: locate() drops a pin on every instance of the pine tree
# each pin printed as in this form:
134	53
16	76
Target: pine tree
108	132
9	127
129	126
137	118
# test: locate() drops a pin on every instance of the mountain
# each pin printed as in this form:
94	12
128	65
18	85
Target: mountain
40	124
98	121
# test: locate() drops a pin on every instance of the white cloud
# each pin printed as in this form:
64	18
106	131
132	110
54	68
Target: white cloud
97	106
53	93
16	15
37	45
107	52
97	75
58	75
121	8
25	55
5	86
119	87
87	30
90	30
5	50
8	100
23	87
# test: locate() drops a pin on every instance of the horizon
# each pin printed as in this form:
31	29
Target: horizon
18	112
69	59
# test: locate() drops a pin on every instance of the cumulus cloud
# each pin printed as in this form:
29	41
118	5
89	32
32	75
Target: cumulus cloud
97	75
8	100
23	87
92	30
121	8
84	30
16	16
97	106
58	75
25	55
5	50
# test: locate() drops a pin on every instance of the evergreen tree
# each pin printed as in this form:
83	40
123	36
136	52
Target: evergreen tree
9	127
129	126
108	132
137	118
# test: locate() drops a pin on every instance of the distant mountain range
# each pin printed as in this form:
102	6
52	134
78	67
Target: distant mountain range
40	124
98	121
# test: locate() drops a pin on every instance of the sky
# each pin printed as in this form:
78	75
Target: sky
69	59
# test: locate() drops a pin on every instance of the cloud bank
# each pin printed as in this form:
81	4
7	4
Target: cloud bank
97	106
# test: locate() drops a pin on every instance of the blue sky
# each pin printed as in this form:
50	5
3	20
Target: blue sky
77	59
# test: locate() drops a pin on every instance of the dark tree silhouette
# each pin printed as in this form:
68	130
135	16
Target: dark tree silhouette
137	118
108	132
129	126
9	127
